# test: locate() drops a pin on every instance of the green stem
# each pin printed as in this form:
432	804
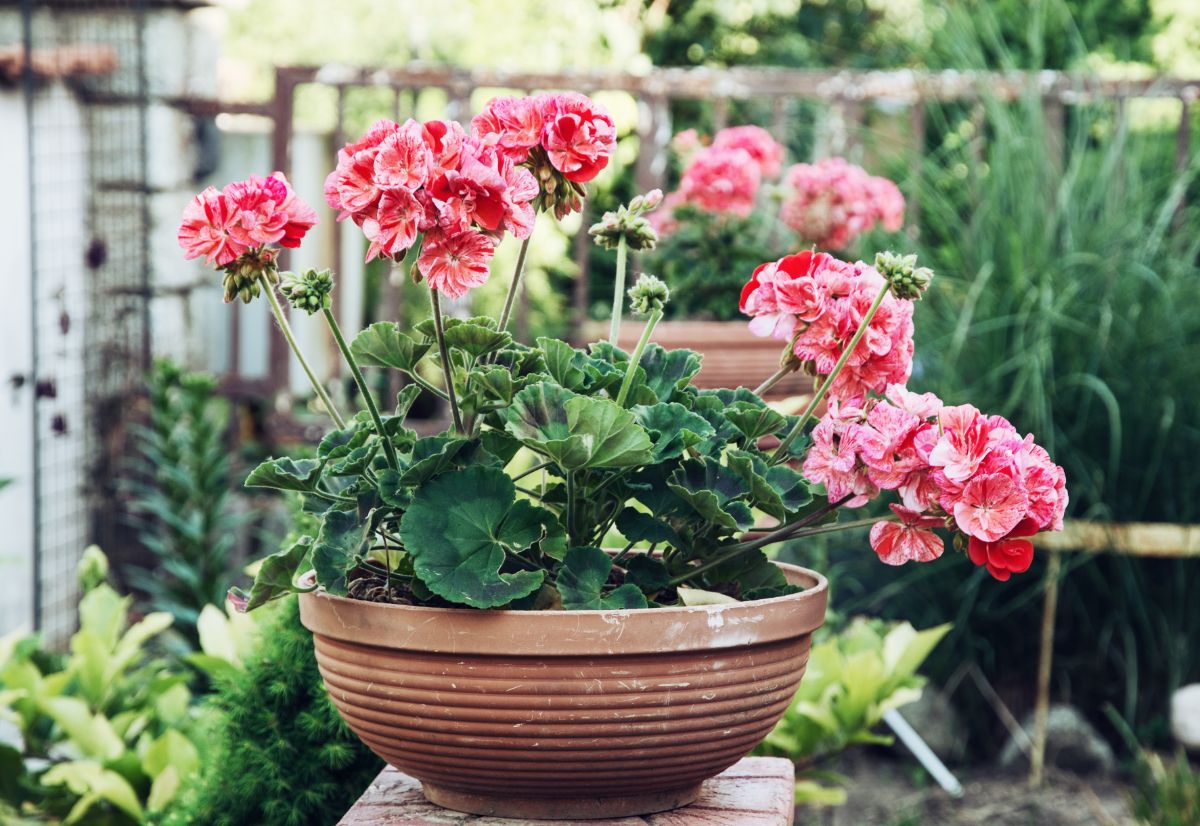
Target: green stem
424	385
775	378
532	470
388	448
444	352
781	452
515	286
618	291
286	329
627	382
570	507
778	535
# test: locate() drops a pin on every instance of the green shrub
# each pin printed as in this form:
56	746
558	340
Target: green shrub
102	733
277	752
854	677
181	497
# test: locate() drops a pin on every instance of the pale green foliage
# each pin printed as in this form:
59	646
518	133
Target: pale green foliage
100	729
853	679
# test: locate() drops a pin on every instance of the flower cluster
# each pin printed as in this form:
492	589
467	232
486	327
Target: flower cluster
463	192
725	177
400	180
831	202
952	467
566	139
234	228
816	302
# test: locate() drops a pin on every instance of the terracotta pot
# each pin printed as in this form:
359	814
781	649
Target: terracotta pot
575	715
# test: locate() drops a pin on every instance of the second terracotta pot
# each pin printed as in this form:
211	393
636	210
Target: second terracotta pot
575	715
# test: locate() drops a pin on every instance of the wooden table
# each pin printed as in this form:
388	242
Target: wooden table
757	791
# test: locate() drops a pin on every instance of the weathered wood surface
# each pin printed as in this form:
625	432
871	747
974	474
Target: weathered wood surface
757	791
1129	538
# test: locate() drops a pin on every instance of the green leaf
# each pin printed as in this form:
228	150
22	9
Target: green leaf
582	578
405	398
668	370
575	431
776	490
636	526
712	410
713	491
753	572
647	573
672	428
335	552
277	573
459	530
754	421
383	345
496	383
475	339
431	456
500	444
93	783
564	363
285	474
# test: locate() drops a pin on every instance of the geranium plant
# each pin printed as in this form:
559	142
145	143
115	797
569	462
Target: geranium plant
597	478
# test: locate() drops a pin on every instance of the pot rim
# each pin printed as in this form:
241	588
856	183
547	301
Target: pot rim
508	632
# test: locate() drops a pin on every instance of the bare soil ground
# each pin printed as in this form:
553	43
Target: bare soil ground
887	791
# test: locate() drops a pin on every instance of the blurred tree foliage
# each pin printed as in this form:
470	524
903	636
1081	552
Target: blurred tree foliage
873	34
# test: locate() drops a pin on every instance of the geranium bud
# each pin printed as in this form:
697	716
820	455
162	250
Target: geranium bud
627	222
309	291
636	204
907	280
652	199
648	295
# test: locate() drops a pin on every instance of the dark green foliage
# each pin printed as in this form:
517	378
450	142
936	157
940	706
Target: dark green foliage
181	496
277	754
709	257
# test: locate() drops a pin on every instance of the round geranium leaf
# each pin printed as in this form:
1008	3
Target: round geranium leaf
459	530
582	580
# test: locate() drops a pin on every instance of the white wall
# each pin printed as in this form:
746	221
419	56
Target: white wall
16	356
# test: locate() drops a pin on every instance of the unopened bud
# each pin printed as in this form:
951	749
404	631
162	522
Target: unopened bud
906	279
309	291
652	199
648	295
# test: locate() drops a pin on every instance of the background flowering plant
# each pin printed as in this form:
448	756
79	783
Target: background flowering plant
555	453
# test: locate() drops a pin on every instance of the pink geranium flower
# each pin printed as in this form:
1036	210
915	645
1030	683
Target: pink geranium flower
991	505
395	224
818	302
963	444
578	134
403	160
721	180
764	150
831	202
205	230
454	264
909	540
268	212
510	124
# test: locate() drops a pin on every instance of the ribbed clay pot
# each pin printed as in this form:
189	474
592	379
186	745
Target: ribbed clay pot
564	714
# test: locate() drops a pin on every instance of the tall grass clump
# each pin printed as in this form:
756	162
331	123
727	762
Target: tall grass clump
1068	301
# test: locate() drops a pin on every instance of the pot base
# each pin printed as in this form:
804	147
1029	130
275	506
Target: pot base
569	808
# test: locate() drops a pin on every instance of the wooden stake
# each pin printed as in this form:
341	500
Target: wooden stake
1037	760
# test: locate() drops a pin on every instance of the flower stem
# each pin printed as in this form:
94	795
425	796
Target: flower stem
286	329
775	378
444	352
388	448
515	286
618	291
781	452
786	532
627	382
570	520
